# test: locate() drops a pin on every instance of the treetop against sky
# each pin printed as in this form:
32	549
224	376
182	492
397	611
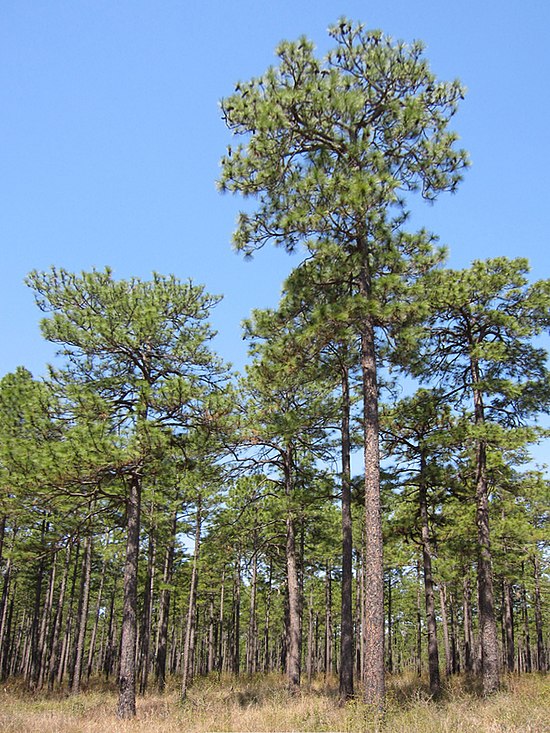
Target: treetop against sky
112	136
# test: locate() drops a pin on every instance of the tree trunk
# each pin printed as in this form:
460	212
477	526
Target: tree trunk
467	618
252	622
418	622
541	658
389	654
32	671
346	631
445	628
164	608
433	654
44	647
189	644
328	621
91	651
55	646
487	622
508	623
108	662
374	682
526	633
293	585
267	664
82	616
145	636
127	679
236	658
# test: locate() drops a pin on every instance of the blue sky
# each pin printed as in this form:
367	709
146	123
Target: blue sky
111	135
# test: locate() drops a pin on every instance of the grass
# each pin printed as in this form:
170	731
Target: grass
263	704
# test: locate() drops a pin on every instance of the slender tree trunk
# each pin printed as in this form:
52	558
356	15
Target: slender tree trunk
212	645
455	656
487	621
4	638
189	644
293	585
45	649
91	651
390	626
328	621
526	632
146	620
32	671
82	616
252	622
433	653
374	682
467	617
267	664
55	646
346	641
127	679
310	632
164	608
222	640
108	662
541	658
236	660
418	622
445	628
508	623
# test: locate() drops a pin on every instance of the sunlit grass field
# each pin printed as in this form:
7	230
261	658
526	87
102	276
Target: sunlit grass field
263	704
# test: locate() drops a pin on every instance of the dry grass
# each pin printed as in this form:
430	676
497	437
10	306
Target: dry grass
263	704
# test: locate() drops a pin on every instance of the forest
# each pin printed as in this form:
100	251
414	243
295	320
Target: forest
362	502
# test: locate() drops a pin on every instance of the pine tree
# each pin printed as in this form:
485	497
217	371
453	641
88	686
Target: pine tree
330	148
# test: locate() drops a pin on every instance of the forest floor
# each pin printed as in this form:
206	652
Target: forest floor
263	704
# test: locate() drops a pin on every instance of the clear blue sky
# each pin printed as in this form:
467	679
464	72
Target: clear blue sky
111	135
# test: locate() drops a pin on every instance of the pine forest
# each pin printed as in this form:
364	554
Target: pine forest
361	504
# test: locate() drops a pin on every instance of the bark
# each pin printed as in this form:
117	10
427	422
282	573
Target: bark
445	628
222	641
145	636
541	656
310	632
32	669
328	621
390	626
55	646
433	653
293	586
189	644
487	622
4	637
82	616
127	678
91	651
346	630
528	662
267	665
211	662
252	622
164	608
108	662
44	648
374	682
418	623
467	616
508	624
236	658
455	656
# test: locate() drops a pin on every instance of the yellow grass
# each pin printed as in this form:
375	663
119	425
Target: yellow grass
263	704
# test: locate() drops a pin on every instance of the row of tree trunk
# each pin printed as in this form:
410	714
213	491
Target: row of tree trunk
69	625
